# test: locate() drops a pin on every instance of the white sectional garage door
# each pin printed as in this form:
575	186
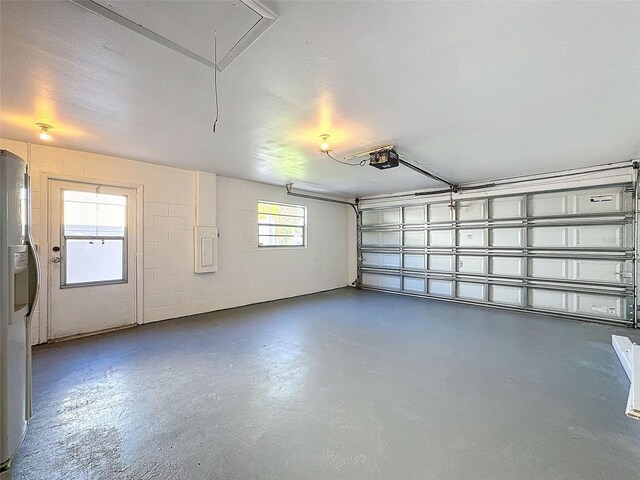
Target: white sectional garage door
563	252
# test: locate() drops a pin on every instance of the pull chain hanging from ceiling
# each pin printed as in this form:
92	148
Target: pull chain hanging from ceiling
215	77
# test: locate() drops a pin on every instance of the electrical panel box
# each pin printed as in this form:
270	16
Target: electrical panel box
206	249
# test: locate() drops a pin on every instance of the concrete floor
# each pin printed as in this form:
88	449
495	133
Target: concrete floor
344	384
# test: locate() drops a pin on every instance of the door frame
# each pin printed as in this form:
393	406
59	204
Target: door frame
138	193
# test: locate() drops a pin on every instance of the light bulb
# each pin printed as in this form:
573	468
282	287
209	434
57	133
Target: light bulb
324	146
44	131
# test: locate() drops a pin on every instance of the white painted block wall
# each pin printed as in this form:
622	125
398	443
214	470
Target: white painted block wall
246	274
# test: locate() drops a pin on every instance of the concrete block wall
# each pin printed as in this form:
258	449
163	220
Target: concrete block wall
247	274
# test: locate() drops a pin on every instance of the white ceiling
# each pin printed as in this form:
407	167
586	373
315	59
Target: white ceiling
230	20
472	91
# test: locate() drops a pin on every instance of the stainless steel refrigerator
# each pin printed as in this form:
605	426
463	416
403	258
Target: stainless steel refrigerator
19	281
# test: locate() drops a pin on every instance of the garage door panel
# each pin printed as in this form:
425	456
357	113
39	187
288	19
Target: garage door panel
369	217
599	200
507	237
414	215
472	238
390	216
472	291
581	236
382	281
414	239
382	238
602	200
441	287
369	238
506	266
472	210
414	261
556	268
386	260
594	236
602	270
506	207
391	238
585	270
549	237
605	306
472	264
507	295
548	204
415	285
548	299
441	238
439	212
443	263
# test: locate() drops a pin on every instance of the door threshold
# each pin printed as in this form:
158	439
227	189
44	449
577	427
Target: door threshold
90	334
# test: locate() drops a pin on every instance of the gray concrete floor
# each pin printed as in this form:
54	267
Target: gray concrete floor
344	384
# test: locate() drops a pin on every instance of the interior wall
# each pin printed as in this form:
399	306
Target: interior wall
246	273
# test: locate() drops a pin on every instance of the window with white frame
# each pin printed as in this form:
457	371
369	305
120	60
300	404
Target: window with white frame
281	225
94	238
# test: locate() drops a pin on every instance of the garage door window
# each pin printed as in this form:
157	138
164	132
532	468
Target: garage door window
281	225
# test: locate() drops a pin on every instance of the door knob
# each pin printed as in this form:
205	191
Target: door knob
55	260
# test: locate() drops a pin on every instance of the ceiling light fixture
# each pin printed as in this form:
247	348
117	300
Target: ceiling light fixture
324	146
326	149
44	131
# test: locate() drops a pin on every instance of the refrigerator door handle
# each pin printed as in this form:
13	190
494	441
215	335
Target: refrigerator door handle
34	260
34	276
34	290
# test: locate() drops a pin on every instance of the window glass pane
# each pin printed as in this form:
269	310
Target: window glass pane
94	260
281	209
94	214
279	219
281	225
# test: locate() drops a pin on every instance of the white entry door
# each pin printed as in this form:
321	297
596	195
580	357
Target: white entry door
92	258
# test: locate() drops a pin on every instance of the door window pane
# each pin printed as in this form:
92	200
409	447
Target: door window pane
94	260
94	214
